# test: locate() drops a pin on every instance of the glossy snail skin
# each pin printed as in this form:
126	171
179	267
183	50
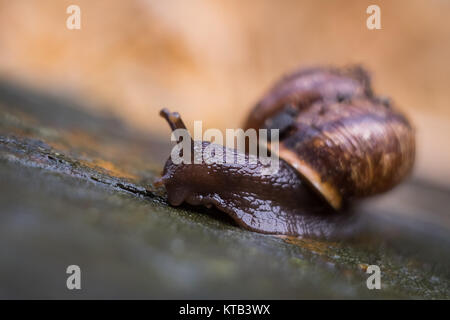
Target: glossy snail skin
280	203
338	141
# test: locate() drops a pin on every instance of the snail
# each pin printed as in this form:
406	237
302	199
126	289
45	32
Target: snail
338	142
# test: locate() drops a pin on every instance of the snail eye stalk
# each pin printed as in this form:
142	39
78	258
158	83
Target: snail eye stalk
173	119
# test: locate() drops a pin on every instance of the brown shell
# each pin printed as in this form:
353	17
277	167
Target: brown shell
305	86
347	148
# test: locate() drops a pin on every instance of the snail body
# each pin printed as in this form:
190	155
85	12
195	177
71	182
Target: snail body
280	203
337	142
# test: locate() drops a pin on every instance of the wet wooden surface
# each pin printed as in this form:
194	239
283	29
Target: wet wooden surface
76	188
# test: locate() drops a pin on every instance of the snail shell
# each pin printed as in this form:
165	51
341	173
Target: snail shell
346	143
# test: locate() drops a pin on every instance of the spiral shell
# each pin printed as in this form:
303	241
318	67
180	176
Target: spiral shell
344	142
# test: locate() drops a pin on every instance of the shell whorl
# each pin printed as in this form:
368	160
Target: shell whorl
305	86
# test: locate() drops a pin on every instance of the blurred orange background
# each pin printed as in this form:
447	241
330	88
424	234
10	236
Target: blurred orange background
211	60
